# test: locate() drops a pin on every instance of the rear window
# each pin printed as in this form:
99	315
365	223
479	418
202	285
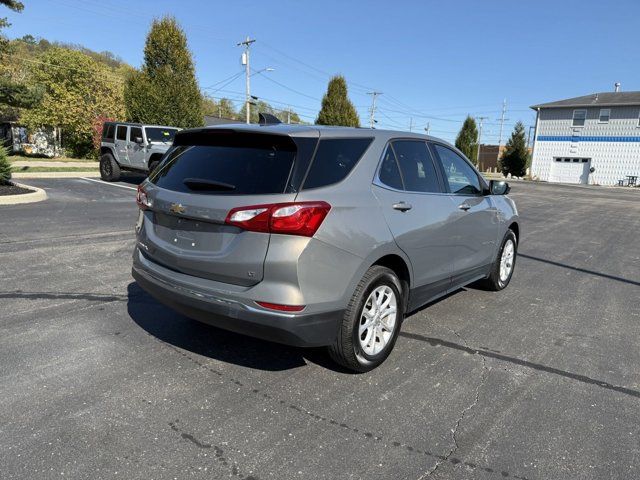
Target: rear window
334	159
107	132
235	164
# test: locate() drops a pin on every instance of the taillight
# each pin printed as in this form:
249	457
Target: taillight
142	199
301	218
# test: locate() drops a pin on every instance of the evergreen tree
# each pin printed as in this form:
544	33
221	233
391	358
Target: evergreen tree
516	154
5	167
337	109
165	91
467	139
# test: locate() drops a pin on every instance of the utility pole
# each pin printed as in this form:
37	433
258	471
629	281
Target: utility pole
502	120
427	128
288	114
480	120
245	60
372	110
411	124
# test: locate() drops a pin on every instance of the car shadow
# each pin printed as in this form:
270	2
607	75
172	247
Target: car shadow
175	329
132	178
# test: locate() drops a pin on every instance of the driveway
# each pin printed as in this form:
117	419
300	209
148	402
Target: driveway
540	381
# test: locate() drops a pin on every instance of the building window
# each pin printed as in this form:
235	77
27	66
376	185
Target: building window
605	114
579	116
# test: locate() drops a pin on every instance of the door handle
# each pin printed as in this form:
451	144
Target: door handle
402	206
464	207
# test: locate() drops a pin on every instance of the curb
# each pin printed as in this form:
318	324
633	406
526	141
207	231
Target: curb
42	163
38	195
54	174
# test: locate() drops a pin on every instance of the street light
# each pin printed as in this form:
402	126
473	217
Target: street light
268	69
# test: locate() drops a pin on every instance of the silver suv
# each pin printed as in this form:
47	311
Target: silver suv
132	146
318	236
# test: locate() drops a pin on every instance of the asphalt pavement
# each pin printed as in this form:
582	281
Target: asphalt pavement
539	381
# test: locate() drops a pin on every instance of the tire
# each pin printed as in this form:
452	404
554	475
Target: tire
109	168
495	281
351	349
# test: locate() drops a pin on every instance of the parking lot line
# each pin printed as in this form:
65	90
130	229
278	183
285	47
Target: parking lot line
107	183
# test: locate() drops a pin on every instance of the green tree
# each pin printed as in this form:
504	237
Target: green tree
336	108
221	108
77	89
5	167
467	139
516	154
263	107
165	90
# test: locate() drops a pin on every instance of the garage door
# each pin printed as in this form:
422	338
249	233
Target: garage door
570	170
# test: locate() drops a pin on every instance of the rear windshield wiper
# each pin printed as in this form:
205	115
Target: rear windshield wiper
204	184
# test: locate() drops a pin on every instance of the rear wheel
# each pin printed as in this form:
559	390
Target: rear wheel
109	168
371	323
502	268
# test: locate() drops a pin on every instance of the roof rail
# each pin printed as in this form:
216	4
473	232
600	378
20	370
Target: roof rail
268	119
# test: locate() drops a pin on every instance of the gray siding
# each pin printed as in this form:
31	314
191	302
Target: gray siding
612	158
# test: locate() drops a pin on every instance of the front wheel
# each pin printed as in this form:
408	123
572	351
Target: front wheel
502	268
371	322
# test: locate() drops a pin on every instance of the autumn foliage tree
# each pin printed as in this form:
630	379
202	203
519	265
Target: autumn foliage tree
77	89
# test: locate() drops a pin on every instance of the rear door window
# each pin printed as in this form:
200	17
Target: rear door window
239	164
460	176
418	171
334	160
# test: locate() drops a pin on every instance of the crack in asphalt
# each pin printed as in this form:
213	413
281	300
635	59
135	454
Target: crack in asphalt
218	451
448	457
361	432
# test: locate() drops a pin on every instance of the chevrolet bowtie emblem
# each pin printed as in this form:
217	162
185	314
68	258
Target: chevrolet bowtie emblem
176	208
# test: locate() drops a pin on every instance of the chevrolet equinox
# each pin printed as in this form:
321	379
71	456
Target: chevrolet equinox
318	236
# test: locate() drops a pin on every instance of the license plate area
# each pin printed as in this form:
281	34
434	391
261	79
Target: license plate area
189	234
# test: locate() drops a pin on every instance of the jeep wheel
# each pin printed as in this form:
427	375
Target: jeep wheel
153	165
109	168
371	323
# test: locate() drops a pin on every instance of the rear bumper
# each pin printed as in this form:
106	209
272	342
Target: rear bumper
220	309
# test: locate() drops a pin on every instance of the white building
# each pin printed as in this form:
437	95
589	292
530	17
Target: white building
593	139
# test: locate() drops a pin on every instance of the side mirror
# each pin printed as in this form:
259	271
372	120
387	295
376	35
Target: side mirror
499	187
138	140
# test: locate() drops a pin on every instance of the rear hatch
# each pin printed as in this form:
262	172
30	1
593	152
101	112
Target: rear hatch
206	174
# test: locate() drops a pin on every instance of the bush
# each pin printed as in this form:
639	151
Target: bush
97	126
5	167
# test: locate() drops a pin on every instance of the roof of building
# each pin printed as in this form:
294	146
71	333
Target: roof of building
601	99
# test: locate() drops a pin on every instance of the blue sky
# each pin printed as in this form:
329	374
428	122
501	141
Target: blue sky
434	61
